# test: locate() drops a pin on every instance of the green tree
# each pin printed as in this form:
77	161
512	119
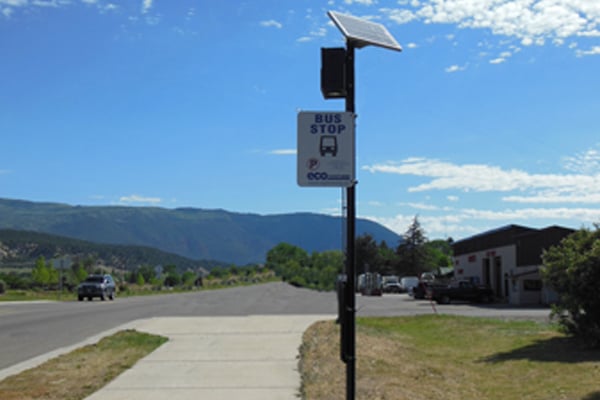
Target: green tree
284	252
572	269
140	279
172	279
218	272
326	266
366	252
386	259
79	272
147	271
188	278
88	264
40	273
439	253
412	256
170	269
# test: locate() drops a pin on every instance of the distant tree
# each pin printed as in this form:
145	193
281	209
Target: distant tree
386	259
53	275
366	252
140	279
3	286
294	265
88	264
169	269
79	272
325	267
188	278
284	252
572	269
412	256
40	273
147	272
218	272
439	253
17	281
172	277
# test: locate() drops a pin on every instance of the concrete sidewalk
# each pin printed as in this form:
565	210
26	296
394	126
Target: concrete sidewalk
252	357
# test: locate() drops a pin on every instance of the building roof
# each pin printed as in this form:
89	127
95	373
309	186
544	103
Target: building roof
499	237
530	242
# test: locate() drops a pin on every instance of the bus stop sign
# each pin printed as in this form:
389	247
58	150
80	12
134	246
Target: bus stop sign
326	149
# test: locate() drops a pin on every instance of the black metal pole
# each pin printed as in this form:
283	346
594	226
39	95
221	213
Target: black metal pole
350	295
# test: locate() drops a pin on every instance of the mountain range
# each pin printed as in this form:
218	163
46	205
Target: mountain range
189	232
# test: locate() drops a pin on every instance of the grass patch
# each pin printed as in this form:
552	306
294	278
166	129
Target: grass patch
32	295
450	358
82	372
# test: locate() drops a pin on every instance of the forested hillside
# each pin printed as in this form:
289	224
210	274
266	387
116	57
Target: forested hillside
23	248
192	233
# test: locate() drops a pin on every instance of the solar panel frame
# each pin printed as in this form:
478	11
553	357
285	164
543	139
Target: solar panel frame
363	32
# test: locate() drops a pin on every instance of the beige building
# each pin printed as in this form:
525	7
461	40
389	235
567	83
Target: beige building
508	260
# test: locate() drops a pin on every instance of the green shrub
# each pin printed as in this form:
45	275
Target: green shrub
572	269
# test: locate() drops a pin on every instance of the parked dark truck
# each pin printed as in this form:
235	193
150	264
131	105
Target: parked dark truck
461	290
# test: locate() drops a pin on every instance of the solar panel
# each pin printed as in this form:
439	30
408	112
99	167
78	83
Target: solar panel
362	32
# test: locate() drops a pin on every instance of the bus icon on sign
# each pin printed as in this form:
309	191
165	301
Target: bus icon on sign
328	145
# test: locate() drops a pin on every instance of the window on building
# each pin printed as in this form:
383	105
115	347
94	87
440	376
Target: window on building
532	285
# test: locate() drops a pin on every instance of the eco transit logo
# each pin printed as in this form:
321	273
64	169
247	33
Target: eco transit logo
324	176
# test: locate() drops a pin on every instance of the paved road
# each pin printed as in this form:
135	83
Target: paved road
29	330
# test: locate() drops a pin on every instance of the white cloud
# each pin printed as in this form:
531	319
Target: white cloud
146	6
587	162
455	68
499	60
550	197
569	191
484	178
400	16
363	2
412	45
469	221
134	198
283	152
50	3
271	23
591	52
422	206
13	3
530	21
526	41
435	227
581	214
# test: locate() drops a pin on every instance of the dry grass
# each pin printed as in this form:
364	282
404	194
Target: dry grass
450	358
80	373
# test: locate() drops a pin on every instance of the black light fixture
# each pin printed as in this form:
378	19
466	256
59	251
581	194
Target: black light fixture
333	82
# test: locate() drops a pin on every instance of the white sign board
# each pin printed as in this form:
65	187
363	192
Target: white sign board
326	149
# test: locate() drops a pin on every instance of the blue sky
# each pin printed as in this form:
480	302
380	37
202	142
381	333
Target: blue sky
490	116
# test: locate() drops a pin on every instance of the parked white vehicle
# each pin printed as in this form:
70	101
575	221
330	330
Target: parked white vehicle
408	283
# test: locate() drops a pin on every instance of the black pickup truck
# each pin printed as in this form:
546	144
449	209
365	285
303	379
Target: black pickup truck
461	290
